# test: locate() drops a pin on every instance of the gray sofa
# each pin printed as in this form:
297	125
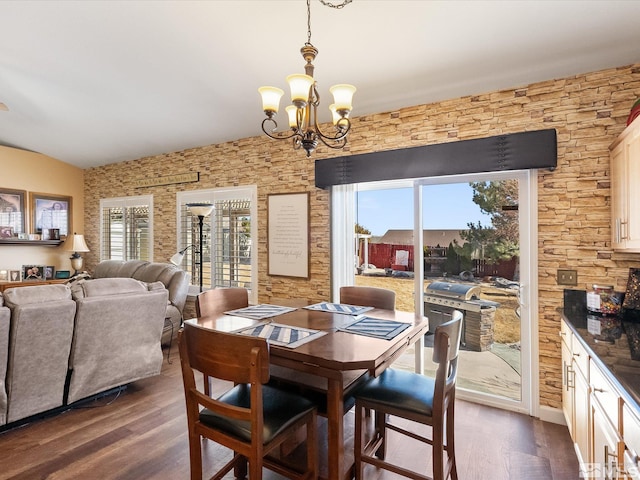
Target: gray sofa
64	344
175	280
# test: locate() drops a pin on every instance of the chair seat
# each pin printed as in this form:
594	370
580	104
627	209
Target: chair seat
401	390
281	409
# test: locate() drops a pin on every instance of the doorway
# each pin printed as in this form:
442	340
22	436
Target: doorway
471	230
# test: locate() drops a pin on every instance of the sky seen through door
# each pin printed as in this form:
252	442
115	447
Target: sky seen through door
446	207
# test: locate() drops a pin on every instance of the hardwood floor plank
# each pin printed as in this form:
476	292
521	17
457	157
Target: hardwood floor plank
142	434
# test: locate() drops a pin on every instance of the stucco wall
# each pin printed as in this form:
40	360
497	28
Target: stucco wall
588	111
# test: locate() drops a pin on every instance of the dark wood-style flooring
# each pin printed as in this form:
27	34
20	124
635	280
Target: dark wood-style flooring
142	435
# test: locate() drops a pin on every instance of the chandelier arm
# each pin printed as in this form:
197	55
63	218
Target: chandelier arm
277	135
337	6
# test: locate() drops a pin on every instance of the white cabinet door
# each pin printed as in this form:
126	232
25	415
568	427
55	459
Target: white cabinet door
625	190
568	385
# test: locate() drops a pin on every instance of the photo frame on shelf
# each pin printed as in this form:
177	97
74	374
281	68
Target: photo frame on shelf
14	276
6	232
4	275
50	212
12	209
288	234
48	272
33	272
62	274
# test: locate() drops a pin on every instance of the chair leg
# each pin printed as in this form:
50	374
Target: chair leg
381	431
195	456
451	449
207	385
240	469
359	442
312	447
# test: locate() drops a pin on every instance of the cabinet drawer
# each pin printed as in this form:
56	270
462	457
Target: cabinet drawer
580	358
605	394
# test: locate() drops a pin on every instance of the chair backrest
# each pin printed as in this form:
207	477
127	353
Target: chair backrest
369	297
219	300
242	360
446	347
236	358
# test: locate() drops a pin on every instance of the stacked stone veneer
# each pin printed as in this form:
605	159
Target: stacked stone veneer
478	329
588	112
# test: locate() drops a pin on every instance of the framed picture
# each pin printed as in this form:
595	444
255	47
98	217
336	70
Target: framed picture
48	272
50	212
288	234
6	232
62	274
14	275
4	275
33	272
12	209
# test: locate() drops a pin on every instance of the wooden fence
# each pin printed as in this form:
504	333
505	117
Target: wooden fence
383	255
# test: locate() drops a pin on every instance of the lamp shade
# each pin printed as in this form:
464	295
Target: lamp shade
177	258
343	96
78	244
299	85
271	98
292	112
200	209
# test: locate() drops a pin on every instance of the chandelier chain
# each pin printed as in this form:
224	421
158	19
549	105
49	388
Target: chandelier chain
337	6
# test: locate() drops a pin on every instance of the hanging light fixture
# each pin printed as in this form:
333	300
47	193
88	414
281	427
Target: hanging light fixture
305	131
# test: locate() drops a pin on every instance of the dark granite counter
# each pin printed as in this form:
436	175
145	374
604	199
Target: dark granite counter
609	340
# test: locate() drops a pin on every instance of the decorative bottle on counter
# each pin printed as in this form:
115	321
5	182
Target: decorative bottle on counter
603	300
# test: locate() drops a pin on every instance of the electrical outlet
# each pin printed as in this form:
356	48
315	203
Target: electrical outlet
567	277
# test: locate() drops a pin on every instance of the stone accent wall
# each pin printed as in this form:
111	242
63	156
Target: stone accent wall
588	111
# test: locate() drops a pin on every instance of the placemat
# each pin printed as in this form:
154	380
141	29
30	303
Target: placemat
339	308
284	335
260	312
375	327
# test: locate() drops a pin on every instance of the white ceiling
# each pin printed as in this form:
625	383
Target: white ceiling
97	82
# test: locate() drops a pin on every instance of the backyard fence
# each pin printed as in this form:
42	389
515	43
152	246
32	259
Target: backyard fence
383	255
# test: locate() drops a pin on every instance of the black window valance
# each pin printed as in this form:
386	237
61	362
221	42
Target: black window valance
515	151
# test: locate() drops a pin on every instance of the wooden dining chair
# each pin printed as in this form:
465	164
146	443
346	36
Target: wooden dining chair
219	300
369	297
414	397
252	418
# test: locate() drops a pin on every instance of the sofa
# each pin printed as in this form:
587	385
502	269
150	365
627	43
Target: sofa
65	344
175	280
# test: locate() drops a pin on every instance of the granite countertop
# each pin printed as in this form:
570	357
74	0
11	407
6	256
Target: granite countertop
608	339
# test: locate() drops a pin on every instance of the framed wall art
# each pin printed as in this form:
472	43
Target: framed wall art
14	275
50	212
288	234
12	209
33	272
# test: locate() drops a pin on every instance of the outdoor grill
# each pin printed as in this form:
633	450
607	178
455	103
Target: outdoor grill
442	298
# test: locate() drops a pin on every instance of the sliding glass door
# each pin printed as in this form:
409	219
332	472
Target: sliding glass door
477	231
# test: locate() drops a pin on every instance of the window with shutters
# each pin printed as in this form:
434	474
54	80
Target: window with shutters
126	228
228	257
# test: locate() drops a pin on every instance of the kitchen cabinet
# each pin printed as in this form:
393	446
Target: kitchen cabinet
625	189
575	392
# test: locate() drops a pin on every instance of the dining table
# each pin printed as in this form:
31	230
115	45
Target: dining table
331	359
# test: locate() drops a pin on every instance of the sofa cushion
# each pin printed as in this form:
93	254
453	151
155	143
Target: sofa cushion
99	287
36	294
118	268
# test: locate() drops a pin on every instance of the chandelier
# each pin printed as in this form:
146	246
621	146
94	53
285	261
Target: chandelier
305	131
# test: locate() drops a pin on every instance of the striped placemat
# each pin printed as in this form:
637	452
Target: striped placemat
375	327
284	335
260	312
339	308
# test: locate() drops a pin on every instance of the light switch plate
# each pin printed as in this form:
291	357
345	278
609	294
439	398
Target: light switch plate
567	277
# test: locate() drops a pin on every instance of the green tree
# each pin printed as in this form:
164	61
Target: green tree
499	200
360	229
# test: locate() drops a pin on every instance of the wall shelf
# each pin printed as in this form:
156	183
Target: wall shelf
31	243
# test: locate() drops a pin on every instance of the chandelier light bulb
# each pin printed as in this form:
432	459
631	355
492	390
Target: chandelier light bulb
299	85
343	96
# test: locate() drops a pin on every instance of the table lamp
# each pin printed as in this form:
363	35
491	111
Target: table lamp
78	245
